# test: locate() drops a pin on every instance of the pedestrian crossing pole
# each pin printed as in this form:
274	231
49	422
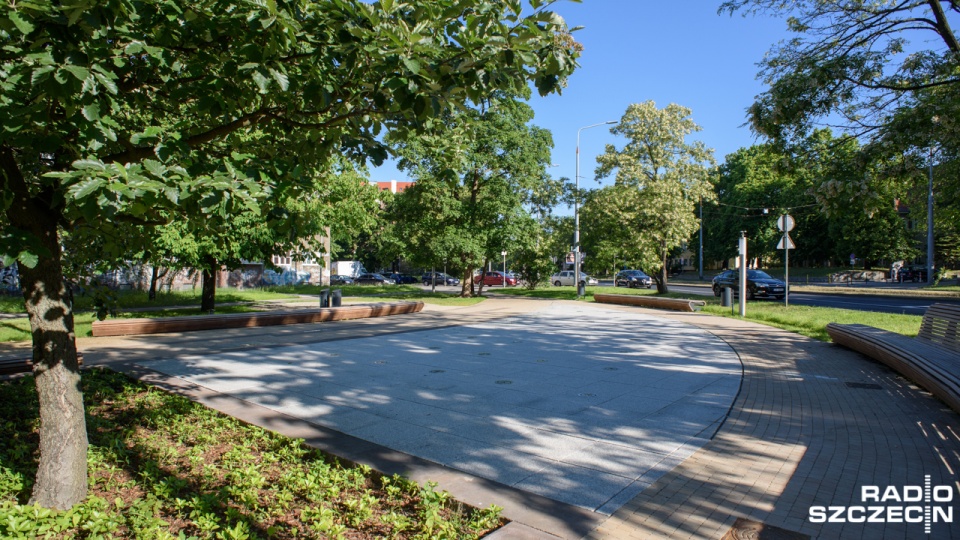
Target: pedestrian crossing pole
743	273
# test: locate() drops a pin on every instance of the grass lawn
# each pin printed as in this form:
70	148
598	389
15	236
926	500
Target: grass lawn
163	467
806	320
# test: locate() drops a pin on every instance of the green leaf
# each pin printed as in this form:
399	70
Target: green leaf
86	187
107	83
40	74
262	82
28	259
412	64
80	72
22	24
89	164
281	79
92	112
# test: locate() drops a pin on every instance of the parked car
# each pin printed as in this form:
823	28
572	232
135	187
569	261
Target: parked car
373	279
632	279
495	277
759	283
565	278
338	279
442	279
915	273
402	279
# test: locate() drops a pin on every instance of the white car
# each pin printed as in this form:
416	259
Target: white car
566	278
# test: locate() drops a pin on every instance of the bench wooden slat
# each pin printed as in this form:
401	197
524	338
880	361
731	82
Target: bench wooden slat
940	326
932	359
677	304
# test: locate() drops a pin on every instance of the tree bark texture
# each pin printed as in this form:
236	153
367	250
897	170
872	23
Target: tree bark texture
61	480
154	277
209	284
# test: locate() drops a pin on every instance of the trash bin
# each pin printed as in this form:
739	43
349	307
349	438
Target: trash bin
335	298
581	289
726	298
325	298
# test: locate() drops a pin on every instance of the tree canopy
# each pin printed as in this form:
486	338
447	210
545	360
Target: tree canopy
474	177
858	65
660	179
140	111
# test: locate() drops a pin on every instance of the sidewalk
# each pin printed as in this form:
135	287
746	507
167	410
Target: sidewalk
811	425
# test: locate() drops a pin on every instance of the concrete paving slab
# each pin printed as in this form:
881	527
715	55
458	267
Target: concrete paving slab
580	404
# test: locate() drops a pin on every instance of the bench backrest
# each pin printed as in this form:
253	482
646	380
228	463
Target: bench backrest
939	326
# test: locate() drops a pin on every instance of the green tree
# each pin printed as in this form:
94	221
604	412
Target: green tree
659	181
856	62
142	111
754	186
474	177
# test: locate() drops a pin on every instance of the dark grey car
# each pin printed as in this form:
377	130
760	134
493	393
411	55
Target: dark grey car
632	279
759	284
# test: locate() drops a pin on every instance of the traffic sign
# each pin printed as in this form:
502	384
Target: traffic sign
785	223
785	239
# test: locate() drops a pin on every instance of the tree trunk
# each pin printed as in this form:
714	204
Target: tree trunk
662	287
154	277
209	284
61	480
466	286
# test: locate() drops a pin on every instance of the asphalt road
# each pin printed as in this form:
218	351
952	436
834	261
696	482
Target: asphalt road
885	304
867	302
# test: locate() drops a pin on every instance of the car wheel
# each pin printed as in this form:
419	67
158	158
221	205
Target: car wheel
650	286
752	295
716	290
779	297
556	283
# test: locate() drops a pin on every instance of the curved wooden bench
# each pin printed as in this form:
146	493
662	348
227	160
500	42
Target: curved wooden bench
676	304
121	327
932	359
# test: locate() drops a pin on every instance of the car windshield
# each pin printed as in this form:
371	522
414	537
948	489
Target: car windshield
757	274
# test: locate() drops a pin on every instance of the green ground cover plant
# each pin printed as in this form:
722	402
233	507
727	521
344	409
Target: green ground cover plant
163	467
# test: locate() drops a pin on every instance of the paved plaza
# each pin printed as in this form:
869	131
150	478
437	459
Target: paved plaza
587	406
584	421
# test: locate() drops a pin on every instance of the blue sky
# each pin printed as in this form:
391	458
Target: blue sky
640	50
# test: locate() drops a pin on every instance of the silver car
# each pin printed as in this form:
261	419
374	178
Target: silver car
565	278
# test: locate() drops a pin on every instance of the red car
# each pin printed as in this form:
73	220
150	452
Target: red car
495	278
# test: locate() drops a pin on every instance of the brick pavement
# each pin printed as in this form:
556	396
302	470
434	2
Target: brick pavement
798	435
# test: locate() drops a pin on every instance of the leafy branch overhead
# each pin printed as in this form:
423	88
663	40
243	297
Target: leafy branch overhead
857	65
131	106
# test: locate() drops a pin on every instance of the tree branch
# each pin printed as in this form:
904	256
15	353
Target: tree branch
943	26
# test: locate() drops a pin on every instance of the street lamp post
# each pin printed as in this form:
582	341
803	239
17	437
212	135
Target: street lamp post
576	212
504	253
930	221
